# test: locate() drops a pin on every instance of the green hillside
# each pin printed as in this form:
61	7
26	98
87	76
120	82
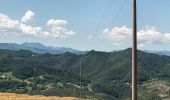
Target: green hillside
106	75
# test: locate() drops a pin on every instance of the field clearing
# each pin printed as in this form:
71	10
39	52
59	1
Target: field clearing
13	96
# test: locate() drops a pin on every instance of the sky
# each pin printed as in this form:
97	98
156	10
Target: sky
103	25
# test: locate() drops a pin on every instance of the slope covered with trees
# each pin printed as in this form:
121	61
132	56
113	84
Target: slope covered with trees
106	75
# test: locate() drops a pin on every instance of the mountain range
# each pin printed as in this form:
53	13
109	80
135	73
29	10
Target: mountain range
105	75
159	52
38	48
41	49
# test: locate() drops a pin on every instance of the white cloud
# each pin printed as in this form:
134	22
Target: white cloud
26	29
167	36
149	36
53	22
58	27
6	23
117	35
122	35
29	15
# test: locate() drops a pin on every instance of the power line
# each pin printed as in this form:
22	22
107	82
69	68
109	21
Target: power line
107	5
124	2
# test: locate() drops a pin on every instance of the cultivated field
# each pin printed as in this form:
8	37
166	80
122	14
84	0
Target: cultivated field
12	96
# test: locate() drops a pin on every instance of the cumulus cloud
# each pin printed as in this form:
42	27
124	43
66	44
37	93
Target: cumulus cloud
58	27
58	23
29	15
6	23
149	36
122	35
29	30
117	35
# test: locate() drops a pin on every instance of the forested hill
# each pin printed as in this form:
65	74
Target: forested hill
105	74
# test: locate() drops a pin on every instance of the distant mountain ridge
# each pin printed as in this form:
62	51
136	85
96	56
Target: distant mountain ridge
159	52
41	49
38	48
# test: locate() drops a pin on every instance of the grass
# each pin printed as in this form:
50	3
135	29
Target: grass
157	88
10	76
12	96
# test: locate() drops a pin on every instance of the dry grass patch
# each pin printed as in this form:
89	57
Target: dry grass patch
12	96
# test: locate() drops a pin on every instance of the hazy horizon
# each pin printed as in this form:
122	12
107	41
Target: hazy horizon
86	49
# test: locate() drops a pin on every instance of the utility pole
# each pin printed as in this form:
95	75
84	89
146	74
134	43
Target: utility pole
34	70
80	78
74	91
134	54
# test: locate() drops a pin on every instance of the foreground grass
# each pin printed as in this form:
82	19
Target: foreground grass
12	96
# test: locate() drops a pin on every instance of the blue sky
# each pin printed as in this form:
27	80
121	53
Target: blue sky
85	24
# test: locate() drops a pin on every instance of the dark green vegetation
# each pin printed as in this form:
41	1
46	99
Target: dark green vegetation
106	75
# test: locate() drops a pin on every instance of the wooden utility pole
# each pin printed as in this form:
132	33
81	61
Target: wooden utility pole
134	54
80	78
